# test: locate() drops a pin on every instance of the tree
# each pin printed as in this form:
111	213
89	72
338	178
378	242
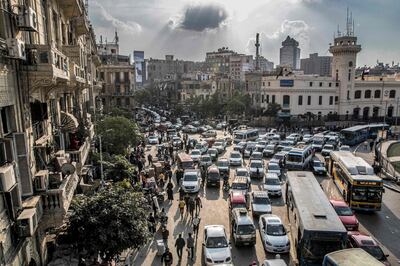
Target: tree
118	133
120	112
119	168
272	109
109	222
238	104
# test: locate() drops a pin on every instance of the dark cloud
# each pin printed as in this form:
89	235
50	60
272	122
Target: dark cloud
203	17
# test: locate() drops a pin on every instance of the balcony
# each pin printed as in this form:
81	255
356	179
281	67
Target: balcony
81	25
80	156
56	201
72	51
78	75
48	64
71	8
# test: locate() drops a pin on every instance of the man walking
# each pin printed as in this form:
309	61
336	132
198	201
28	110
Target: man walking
165	235
196	223
190	246
198	204
180	244
167	257
191	207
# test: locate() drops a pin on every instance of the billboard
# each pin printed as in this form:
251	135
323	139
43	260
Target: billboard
138	58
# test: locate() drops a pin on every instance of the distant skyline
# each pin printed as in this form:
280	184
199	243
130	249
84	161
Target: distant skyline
189	29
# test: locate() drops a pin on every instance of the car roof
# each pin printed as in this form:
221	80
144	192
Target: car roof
338	203
270	175
255	161
235	152
273	219
239	179
237	197
191	171
222	159
205	156
260	194
243	215
364	240
215	230
242	169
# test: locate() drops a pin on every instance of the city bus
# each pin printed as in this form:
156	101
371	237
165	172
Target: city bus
356	181
299	157
357	134
350	257
315	228
245	135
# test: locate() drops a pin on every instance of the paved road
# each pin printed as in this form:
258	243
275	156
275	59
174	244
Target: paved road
384	225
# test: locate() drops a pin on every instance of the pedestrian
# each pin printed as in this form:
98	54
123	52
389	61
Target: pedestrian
181	206
178	175
170	192
190	246
191	207
180	244
150	158
165	235
196	223
198	204
152	223
186	198
167	257
181	193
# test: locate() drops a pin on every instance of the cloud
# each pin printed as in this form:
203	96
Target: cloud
200	18
270	43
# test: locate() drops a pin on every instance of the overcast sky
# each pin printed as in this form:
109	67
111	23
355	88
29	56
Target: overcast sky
189	29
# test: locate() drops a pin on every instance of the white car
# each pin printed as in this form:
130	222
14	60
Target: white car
272	184
273	234
216	247
344	148
191	181
307	138
274	167
235	159
260	204
326	150
195	155
219	146
242	172
176	141
256	168
205	160
152	140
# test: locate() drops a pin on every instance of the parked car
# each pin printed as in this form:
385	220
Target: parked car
176	141
272	184
367	243
216	246
250	147
318	167
260	203
307	138
273	234
256	168
235	159
241	184
237	200
346	215
274	262
191	181
219	146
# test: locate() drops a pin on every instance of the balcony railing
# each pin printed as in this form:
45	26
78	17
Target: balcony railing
80	156
48	62
79	74
72	8
81	25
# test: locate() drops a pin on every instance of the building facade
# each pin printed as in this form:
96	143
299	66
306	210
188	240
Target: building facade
219	61
317	65
118	76
168	68
48	84
265	64
290	53
240	64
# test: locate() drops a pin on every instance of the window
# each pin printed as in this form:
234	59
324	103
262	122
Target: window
320	84
286	100
263	84
337	75
390	111
337	98
377	94
351	64
357	94
330	100
330	84
392	94
267	98
310	83
118	101
309	100
269	83
262	98
320	100
127	101
6	119
348	95
367	94
337	84
375	112
273	98
300	99
102	75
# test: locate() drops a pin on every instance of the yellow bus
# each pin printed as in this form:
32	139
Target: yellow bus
356	181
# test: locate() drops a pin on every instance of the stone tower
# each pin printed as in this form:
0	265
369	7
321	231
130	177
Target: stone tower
344	50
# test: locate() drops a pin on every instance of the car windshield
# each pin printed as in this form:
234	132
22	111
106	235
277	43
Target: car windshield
328	147
318	164
239	186
246	229
239	136
235	155
213	175
261	200
315	250
278	157
273	167
344	211
206	159
222	163
242	173
195	153
296	158
270	147
216	242
276	230
367	194
375	251
272	181
255	165
212	152
318	141
190	177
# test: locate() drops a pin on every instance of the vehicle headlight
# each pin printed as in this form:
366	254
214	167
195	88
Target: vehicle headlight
288	243
268	243
209	260
228	259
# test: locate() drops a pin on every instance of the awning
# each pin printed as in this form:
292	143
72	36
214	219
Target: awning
69	123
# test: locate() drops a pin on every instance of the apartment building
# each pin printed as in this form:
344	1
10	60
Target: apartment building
48	90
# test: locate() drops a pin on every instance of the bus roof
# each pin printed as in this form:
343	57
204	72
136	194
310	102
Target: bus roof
315	210
300	149
245	130
358	168
361	127
352	257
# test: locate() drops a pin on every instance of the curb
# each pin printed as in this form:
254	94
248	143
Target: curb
392	188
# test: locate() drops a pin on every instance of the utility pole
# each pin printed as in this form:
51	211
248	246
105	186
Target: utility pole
257	52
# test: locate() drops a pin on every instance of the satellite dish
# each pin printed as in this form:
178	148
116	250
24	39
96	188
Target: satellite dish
67	169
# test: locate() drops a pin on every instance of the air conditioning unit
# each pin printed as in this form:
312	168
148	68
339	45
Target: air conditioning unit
41	180
27	20
16	48
27	223
7	177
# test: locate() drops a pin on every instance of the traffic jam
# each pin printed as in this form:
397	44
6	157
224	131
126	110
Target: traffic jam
268	183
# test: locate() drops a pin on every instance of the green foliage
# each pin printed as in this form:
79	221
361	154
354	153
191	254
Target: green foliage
272	109
109	222
115	167
120	112
118	133
238	104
